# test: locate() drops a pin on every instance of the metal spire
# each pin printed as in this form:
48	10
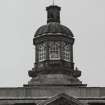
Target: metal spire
53	2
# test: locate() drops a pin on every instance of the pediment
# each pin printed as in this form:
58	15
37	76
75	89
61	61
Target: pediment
62	99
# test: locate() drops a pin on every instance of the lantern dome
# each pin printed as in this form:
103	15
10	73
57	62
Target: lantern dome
53	27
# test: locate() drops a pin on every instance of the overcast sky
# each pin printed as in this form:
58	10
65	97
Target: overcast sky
19	19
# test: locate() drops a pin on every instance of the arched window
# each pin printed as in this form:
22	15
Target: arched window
42	52
54	50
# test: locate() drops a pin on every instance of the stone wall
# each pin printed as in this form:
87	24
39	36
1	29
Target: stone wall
49	91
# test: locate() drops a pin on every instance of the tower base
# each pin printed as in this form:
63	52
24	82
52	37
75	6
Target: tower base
55	79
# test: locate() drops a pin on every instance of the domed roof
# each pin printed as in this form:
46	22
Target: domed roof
53	27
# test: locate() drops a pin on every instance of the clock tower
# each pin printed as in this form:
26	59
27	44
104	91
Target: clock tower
54	63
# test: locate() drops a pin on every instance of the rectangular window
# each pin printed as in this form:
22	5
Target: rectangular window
42	52
66	51
54	50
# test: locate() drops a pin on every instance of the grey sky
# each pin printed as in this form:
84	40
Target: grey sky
19	19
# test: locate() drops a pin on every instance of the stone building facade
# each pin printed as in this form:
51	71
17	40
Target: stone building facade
54	80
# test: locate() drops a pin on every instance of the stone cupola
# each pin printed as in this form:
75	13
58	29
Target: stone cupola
54	53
